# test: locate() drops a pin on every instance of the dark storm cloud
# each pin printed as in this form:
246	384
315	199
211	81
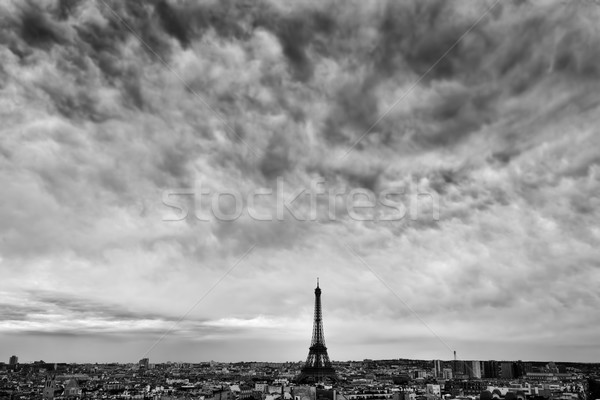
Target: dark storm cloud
188	21
297	32
66	8
174	22
37	29
418	33
503	53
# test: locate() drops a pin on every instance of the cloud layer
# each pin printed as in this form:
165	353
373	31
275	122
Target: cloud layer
106	105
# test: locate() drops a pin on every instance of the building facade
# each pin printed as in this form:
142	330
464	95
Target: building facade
507	370
437	368
447	373
490	369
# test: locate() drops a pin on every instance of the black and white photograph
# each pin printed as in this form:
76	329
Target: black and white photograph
300	199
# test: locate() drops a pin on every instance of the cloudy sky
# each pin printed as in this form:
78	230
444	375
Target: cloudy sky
117	115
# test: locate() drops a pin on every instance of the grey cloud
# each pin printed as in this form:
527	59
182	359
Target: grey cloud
66	8
173	21
15	312
37	29
503	131
81	307
277	159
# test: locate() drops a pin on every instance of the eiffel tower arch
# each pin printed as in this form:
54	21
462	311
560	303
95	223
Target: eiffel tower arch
317	367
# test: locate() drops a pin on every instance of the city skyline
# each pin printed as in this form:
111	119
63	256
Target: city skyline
176	174
147	362
318	323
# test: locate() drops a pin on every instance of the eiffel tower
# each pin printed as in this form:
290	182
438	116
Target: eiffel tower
317	367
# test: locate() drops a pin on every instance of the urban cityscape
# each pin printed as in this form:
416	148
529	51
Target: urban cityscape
299	199
396	379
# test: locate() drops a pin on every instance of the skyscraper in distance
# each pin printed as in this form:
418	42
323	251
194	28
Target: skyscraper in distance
437	368
475	369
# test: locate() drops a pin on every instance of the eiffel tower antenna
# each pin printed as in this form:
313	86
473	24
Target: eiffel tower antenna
317	367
